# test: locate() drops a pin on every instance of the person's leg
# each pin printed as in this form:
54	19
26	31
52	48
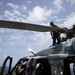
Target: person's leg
54	40
58	39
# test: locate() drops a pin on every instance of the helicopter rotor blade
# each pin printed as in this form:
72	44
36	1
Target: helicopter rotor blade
27	26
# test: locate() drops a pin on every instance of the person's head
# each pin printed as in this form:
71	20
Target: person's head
51	23
21	62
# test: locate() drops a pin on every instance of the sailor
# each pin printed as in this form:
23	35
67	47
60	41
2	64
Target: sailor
19	68
55	34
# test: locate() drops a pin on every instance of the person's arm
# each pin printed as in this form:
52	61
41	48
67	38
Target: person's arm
51	34
20	69
56	26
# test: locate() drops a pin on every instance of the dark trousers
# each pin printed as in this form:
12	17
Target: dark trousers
56	38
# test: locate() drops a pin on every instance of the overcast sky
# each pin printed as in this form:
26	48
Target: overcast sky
16	43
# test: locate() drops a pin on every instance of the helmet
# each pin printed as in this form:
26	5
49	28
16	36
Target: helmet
51	22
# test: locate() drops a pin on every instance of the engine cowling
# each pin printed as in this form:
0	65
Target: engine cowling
73	44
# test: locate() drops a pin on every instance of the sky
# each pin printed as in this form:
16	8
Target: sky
17	43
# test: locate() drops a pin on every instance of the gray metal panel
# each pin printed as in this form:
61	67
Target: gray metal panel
64	48
51	50
73	44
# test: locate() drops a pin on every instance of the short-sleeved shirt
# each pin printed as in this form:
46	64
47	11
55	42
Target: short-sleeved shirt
56	33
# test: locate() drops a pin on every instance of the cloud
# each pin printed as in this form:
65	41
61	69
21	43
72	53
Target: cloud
14	15
1	3
15	12
58	20
54	17
71	1
58	5
2	31
24	8
41	38
13	5
14	38
8	13
0	39
70	20
0	16
10	16
29	2
38	14
21	8
0	51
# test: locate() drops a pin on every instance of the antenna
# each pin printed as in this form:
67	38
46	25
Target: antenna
31	51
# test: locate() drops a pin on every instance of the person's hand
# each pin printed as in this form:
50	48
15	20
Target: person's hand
21	70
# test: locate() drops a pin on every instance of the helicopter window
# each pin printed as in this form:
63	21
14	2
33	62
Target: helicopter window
20	68
30	66
43	67
37	65
6	67
72	68
69	67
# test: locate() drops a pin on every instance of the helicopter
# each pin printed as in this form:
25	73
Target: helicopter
55	60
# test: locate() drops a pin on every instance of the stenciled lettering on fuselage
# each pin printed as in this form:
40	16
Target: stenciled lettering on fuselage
57	49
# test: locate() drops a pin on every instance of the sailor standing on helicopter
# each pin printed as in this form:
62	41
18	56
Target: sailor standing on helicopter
55	34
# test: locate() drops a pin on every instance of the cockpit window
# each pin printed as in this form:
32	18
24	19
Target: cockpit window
30	66
43	67
20	68
72	68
